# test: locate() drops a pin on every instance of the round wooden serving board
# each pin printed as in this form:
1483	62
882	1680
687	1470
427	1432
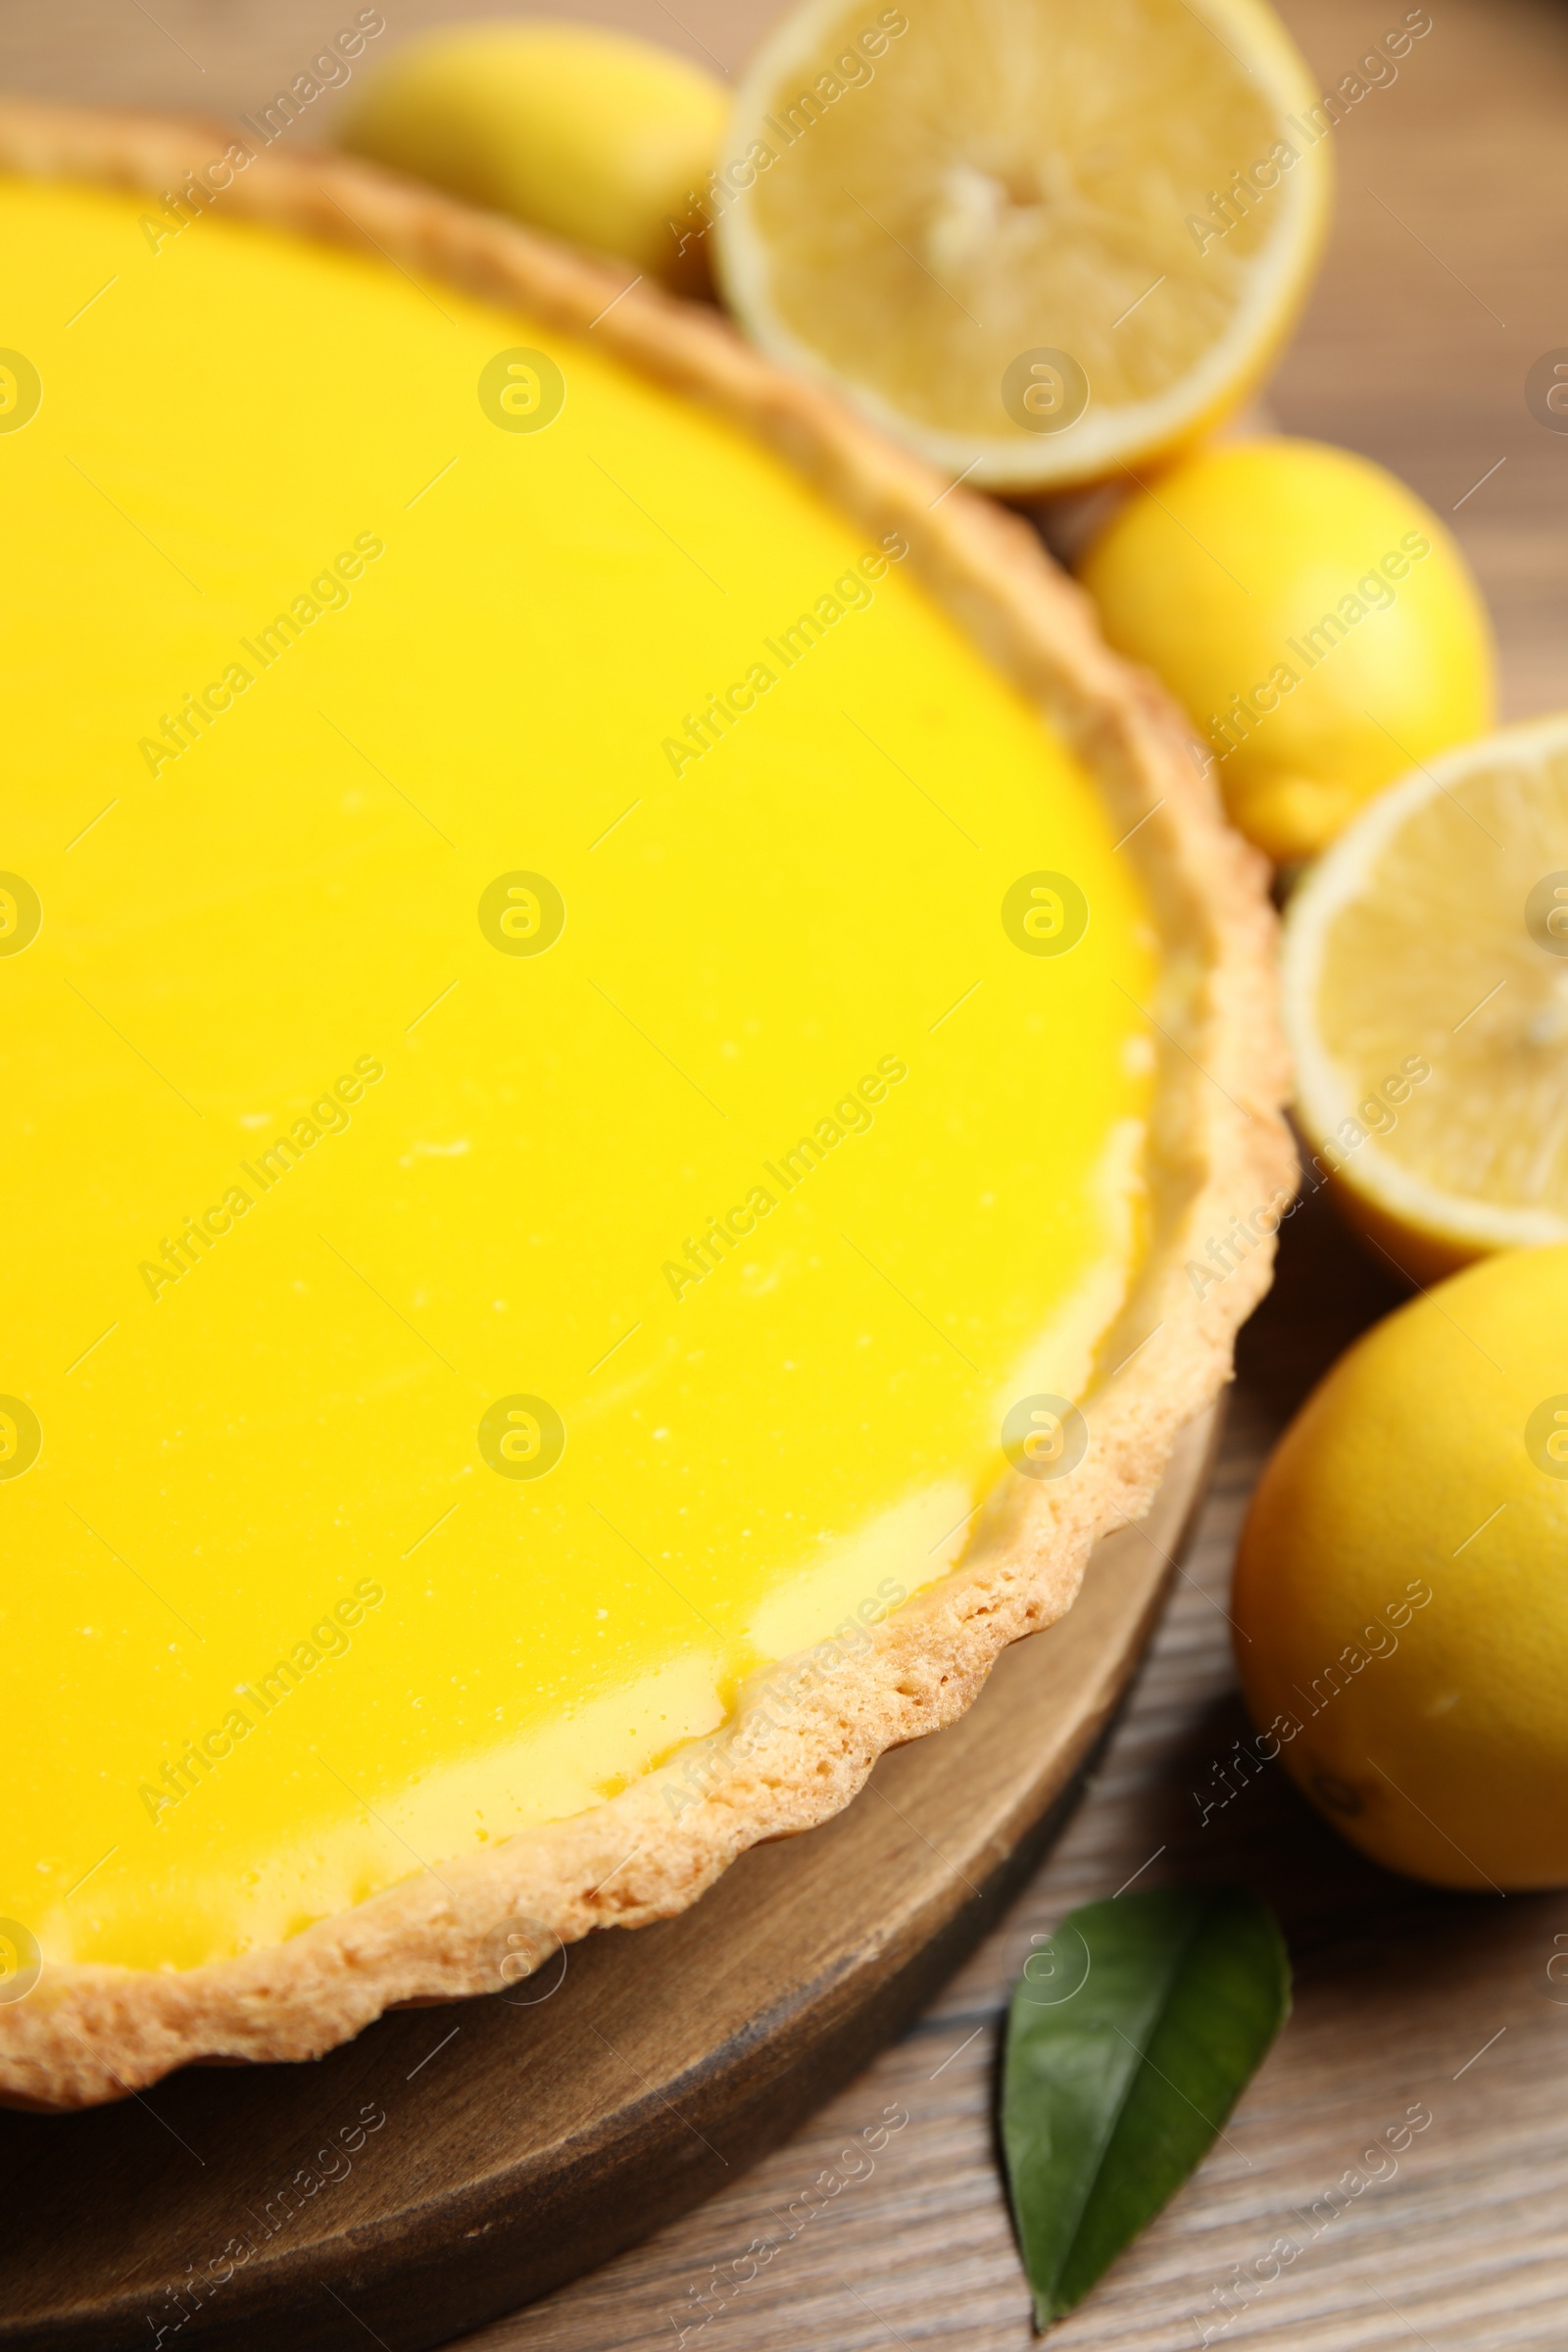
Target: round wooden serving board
457	2161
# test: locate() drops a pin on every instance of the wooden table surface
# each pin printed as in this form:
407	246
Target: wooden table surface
1444	281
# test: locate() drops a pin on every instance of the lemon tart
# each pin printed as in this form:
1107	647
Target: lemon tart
632	1057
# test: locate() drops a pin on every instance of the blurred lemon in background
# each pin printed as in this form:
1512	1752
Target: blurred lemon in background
1032	239
1425	1000
1316	620
591	134
1400	1598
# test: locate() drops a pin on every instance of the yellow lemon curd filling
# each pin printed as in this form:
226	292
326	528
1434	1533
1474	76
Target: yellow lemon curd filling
538	1163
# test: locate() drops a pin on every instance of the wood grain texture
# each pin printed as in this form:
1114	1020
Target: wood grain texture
1402	1995
454	2160
1444	281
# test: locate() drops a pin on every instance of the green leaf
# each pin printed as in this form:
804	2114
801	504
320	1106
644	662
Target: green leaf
1133	2031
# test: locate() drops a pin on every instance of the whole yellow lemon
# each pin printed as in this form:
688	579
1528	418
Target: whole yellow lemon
1402	1586
593	135
1317	621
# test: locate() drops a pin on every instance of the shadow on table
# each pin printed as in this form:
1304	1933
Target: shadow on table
1328	1287
1225	1816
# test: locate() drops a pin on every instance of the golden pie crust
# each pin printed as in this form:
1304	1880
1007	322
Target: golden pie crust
1218	1151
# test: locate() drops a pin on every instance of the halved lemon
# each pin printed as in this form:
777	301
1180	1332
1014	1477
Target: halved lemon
1426	999
1034	239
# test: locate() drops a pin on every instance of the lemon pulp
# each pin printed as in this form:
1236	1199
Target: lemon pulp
1035	241
1426	997
536	1167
